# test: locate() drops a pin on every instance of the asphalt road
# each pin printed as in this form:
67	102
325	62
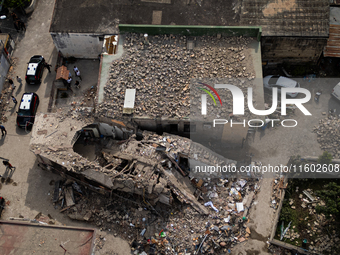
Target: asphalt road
32	193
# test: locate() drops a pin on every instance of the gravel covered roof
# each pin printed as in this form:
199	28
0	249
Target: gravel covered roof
163	72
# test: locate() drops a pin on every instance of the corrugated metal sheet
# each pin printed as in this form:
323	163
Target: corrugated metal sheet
62	73
333	44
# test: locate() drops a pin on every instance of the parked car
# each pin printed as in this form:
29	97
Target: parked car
35	69
336	91
275	81
27	109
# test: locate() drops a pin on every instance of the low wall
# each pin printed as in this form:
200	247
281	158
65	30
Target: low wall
276	221
248	31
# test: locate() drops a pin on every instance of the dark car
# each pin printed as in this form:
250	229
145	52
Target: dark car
27	109
35	69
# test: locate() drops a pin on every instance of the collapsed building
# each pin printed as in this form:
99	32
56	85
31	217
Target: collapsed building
114	159
143	163
152	83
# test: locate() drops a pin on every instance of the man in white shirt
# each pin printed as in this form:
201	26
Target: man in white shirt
75	69
78	75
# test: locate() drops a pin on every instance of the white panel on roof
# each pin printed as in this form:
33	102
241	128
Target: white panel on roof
31	68
129	102
25	102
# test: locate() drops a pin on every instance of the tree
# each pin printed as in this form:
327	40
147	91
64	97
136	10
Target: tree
16	3
331	196
325	158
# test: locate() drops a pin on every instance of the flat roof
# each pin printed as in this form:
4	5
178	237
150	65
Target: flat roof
19	238
31	68
94	16
281	18
25	101
164	71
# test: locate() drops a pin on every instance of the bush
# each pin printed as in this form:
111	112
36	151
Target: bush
16	3
331	195
325	158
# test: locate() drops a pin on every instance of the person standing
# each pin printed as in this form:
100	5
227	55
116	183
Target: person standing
75	69
14	100
11	82
19	80
7	164
69	82
48	67
78	75
77	84
3	130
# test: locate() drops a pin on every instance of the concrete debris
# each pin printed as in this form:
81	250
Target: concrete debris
146	182
277	187
328	135
162	70
176	228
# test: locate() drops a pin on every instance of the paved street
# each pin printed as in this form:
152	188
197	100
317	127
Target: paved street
33	194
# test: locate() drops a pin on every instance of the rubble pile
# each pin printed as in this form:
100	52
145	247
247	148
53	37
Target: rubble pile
162	67
167	229
148	192
277	187
77	110
329	135
152	144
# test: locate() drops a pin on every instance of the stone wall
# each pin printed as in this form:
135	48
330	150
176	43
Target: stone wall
78	45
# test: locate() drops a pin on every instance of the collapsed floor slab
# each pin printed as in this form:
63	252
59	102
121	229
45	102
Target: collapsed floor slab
153	166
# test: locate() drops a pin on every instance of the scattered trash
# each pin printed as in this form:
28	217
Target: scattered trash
211	205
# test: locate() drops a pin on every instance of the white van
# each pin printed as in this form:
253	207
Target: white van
336	91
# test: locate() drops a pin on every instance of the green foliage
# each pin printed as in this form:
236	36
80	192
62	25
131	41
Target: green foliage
331	196
16	3
325	158
288	214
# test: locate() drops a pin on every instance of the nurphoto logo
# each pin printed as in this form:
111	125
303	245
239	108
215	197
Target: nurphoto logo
238	104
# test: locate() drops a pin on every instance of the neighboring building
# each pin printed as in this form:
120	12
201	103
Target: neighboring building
78	28
333	43
6	47
292	31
